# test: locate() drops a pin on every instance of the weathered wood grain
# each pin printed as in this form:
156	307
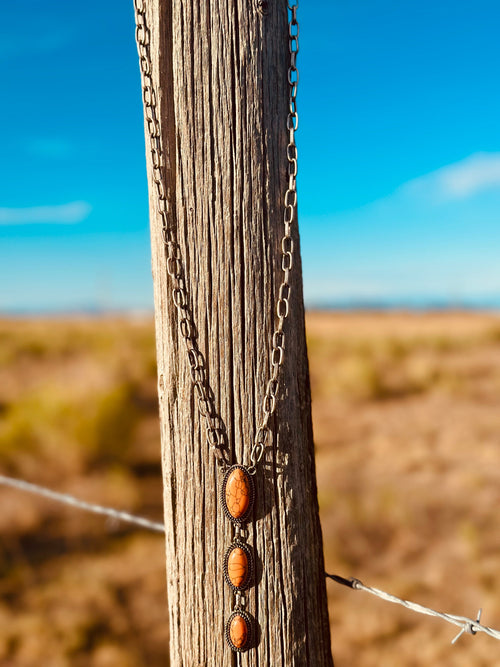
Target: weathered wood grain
221	68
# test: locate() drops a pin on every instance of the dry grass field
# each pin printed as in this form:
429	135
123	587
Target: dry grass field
407	430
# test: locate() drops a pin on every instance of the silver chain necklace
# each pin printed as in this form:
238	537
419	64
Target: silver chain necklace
237	491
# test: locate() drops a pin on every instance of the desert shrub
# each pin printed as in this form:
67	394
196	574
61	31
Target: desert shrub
67	430
107	429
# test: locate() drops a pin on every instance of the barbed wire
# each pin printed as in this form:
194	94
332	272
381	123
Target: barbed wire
467	625
67	499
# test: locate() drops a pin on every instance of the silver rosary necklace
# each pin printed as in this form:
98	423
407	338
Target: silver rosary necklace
237	490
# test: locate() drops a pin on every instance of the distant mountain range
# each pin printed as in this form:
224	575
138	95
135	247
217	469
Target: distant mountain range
417	303
412	303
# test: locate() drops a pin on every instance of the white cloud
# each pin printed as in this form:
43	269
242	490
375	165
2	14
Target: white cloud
474	174
460	180
63	214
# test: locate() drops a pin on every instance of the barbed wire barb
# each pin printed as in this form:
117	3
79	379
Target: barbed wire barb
468	628
67	499
467	625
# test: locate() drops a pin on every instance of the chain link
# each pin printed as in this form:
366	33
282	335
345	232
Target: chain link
205	403
289	216
187	328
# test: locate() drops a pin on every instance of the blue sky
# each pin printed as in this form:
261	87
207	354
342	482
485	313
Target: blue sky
399	149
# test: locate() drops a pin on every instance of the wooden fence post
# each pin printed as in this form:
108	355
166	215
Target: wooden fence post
220	68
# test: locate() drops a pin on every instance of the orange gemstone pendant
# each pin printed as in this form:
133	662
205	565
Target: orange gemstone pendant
237	494
239	630
238	566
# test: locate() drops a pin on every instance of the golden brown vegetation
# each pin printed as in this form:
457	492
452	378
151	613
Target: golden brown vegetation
78	412
407	429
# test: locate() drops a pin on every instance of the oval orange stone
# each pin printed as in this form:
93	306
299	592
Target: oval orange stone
238	631
238	493
237	567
